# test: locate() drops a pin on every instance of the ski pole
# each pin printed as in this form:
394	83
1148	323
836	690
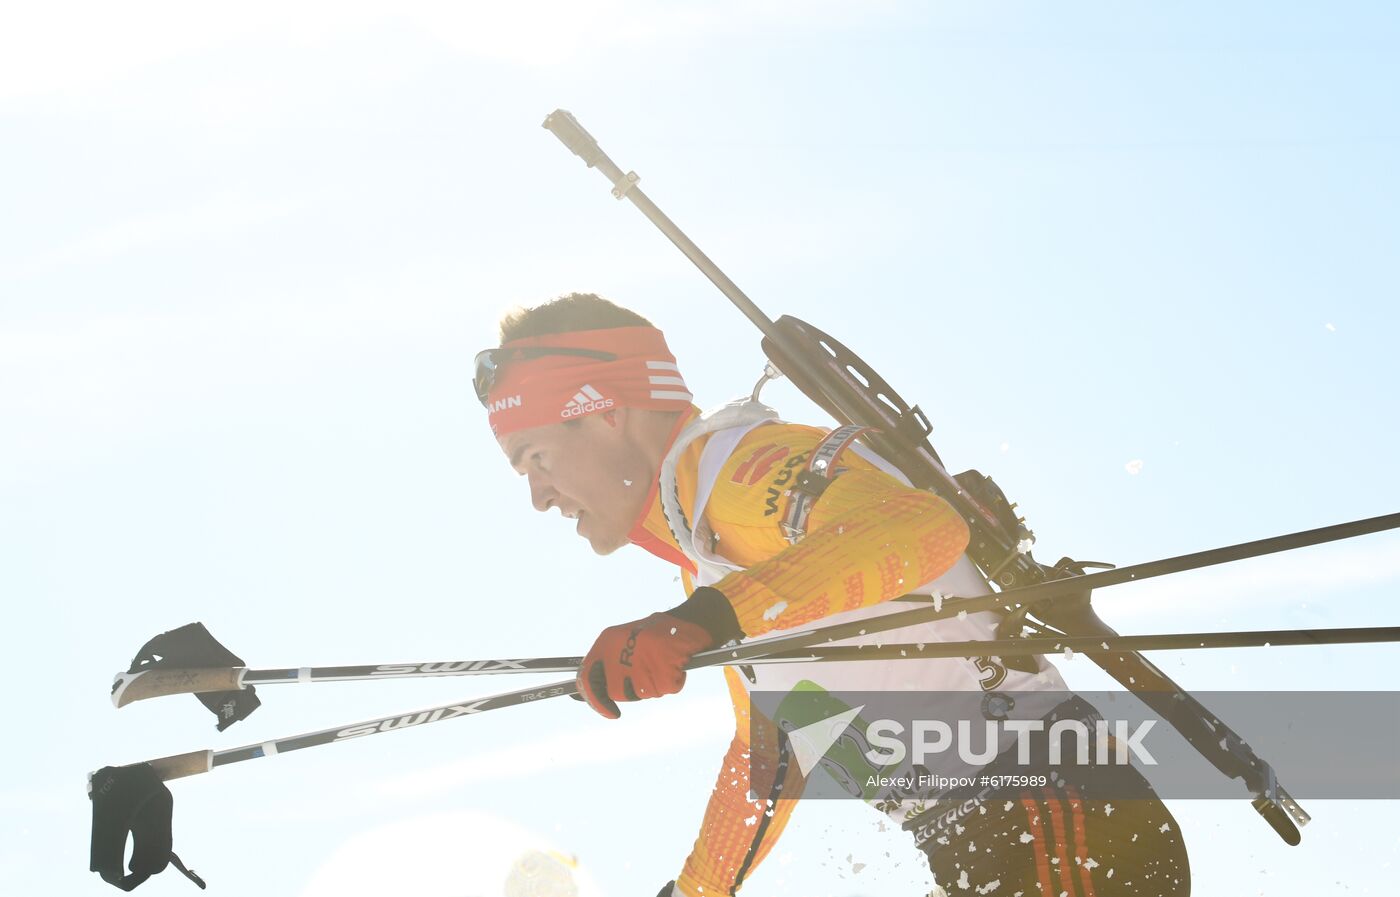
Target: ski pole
1069	588
181	681
1036	645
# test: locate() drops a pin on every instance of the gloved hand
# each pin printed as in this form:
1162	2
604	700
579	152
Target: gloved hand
641	659
646	658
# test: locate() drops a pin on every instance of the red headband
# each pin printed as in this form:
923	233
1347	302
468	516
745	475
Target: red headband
534	392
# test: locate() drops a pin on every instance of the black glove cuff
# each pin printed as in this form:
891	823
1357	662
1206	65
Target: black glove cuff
708	608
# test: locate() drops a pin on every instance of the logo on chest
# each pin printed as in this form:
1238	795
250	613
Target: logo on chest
758	465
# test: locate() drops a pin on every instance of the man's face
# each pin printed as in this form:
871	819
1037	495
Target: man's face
590	470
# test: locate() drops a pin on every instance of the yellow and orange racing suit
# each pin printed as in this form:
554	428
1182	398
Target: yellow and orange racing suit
869	538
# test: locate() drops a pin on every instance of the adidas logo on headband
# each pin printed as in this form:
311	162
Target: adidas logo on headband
586	400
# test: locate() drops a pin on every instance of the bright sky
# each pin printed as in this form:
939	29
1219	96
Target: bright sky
1135	260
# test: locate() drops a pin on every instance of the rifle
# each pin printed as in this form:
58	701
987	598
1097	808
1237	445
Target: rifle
848	389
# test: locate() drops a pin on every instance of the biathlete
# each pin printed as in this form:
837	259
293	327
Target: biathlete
588	404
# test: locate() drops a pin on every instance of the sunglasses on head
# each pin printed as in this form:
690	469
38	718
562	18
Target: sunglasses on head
489	362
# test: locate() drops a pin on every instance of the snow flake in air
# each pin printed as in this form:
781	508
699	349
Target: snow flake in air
938	602
1133	467
1108	809
772	613
1005	447
1331	328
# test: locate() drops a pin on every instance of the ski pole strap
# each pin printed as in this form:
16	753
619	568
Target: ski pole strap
813	479
192	647
132	800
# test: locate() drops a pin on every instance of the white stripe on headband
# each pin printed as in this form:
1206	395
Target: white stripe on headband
666	381
671	394
662	366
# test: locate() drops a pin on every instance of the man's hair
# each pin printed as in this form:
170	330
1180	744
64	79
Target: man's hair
575	311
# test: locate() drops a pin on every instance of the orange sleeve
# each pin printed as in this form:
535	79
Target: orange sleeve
869	537
737	833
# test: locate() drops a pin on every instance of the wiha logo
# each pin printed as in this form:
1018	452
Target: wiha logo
458	666
503	403
585	400
776	488
758	465
413	719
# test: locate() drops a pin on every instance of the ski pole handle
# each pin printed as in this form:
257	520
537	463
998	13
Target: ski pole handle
179	766
155	683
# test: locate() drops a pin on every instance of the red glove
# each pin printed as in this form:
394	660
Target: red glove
642	659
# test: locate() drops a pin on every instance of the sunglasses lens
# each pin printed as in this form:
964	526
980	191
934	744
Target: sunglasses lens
485	374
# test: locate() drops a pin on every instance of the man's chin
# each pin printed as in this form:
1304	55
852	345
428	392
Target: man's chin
601	547
602	544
